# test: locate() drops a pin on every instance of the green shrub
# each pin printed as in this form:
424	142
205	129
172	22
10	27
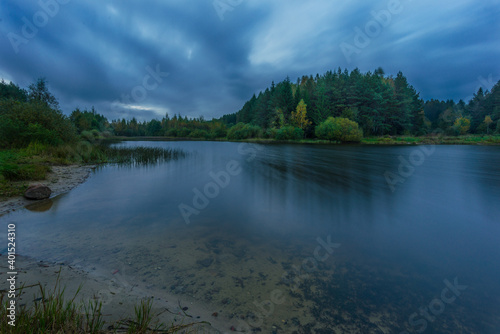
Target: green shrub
171	133
244	131
96	133
198	134
24	122
88	136
271	133
289	133
339	129
35	148
218	133
183	132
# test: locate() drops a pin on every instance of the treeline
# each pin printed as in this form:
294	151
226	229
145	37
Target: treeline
32	115
339	105
181	127
177	126
381	105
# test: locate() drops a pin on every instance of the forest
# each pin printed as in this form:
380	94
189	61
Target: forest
381	105
336	106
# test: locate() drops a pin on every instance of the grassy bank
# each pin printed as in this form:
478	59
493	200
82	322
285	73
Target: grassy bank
436	140
385	140
18	167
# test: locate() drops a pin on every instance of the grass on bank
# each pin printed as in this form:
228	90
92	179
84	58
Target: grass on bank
33	162
434	139
52	313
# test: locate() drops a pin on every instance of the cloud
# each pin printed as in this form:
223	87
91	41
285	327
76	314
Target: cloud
93	53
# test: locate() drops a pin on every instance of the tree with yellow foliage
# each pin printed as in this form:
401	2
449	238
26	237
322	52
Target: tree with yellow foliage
487	122
299	117
462	125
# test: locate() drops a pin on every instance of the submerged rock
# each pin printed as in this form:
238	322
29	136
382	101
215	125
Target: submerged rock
206	262
38	192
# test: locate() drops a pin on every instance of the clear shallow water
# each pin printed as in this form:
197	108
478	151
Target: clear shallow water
255	251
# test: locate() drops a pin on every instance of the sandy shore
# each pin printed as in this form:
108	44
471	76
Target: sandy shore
62	179
118	300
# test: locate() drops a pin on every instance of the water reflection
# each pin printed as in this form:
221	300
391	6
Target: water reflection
397	248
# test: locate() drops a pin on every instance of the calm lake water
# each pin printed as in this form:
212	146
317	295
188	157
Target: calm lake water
295	238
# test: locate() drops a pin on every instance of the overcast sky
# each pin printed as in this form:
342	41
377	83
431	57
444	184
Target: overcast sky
205	57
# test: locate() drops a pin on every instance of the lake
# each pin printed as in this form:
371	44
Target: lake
295	238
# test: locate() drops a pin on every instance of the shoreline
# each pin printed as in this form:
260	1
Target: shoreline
118	293
370	141
60	180
118	298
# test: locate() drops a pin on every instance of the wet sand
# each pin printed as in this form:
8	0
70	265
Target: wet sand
118	300
60	180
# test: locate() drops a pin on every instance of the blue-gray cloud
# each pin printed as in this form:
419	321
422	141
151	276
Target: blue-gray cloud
218	53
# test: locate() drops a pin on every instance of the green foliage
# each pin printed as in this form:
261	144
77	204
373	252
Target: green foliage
15	172
88	120
289	133
243	131
381	105
299	116
339	129
461	125
198	134
183	132
10	189
38	92
24	122
14	166
12	91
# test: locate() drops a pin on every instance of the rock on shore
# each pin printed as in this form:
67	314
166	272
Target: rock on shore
37	192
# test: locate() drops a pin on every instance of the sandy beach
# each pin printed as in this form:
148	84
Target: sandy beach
118	300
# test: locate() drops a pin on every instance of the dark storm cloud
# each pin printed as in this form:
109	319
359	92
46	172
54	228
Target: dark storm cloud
99	53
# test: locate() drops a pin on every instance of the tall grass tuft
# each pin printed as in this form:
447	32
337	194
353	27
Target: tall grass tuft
51	313
140	155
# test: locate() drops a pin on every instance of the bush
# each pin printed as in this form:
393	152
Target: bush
289	133
339	129
24	122
198	134
244	131
183	132
219	133
461	126
271	133
88	136
171	133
